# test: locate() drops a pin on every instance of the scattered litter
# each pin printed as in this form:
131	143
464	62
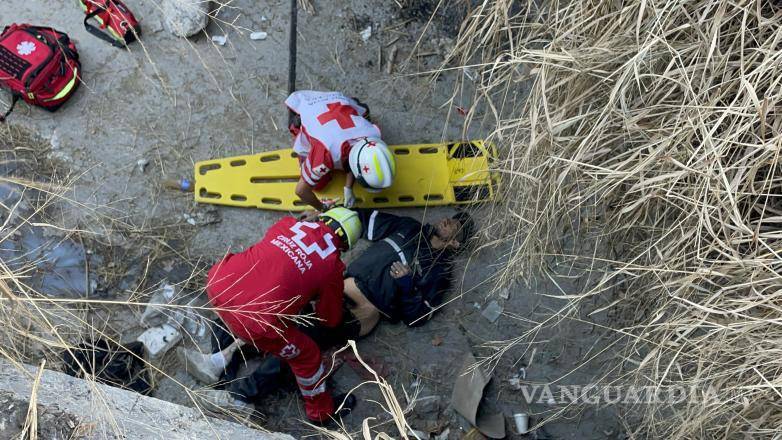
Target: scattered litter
142	165
416	379
202	218
391	59
492	312
462	111
158	340
154	314
55	141
178	184
437	341
467	395
522	422
56	266
219	40
476	305
516	380
260	35
505	293
366	33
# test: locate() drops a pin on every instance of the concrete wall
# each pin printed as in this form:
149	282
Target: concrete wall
99	411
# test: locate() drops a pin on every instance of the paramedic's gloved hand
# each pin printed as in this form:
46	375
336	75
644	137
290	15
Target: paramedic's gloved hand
349	199
402	275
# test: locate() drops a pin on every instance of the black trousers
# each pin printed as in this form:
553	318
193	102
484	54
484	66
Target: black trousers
269	374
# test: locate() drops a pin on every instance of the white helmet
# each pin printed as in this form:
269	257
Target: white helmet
372	163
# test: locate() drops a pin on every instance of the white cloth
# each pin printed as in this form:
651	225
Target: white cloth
330	118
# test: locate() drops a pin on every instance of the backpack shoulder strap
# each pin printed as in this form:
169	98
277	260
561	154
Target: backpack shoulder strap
14	98
91	28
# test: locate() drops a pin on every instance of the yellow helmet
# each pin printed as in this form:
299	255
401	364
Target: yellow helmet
345	223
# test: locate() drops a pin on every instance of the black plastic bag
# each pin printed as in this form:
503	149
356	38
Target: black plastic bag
111	364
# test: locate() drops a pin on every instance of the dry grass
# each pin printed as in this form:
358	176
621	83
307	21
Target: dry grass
651	134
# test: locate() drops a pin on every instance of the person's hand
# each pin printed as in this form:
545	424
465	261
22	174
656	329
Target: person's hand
399	270
349	199
327	204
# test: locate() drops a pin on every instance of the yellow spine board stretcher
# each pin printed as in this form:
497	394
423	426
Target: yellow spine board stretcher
454	173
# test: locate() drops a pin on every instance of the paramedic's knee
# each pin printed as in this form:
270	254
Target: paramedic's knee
366	313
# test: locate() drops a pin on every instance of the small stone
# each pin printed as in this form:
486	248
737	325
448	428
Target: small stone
437	341
219	40
366	33
492	312
142	164
443	435
260	35
427	405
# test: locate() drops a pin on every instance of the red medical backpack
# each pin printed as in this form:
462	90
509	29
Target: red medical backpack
118	25
39	65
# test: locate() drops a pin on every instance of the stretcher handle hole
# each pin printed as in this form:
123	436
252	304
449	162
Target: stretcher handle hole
299	203
406	198
401	151
428	150
238	198
271	201
380	199
203	169
433	197
294	155
208	195
261	179
465	149
270	157
238	163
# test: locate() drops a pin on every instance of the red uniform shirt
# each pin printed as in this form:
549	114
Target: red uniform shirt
254	290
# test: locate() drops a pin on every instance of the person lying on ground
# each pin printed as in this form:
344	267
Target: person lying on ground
332	132
258	295
406	272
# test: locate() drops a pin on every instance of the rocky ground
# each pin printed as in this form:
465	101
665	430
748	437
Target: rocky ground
169	102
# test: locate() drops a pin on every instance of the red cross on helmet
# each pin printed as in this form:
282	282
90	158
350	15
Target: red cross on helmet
372	163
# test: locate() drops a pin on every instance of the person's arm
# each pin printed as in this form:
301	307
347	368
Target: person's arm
329	305
307	195
379	225
420	297
349	198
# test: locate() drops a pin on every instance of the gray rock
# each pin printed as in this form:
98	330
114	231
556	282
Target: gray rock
427	405
185	18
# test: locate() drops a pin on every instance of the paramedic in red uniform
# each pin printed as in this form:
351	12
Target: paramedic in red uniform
255	293
332	132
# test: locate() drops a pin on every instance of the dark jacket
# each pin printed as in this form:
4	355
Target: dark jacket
407	240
